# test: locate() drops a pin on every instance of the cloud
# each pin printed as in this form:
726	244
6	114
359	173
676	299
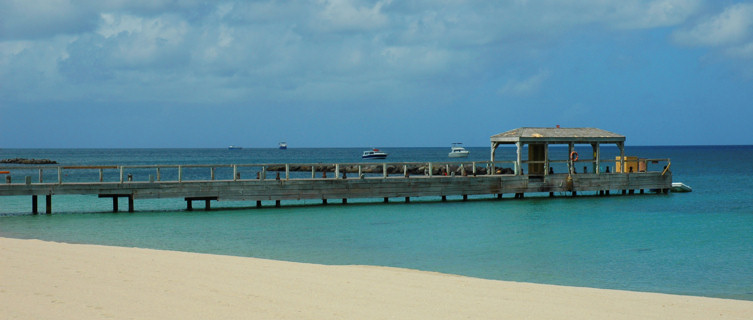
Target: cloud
524	87
733	26
231	51
21	19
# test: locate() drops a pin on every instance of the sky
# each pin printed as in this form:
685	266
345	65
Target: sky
356	73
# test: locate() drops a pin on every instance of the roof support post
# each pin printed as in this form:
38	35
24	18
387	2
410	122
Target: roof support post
570	164
597	155
546	159
621	145
518	161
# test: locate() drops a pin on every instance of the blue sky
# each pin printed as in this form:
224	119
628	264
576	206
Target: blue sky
347	73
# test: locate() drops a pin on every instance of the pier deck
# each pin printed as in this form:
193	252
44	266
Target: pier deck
345	181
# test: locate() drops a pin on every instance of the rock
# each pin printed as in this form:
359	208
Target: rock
28	161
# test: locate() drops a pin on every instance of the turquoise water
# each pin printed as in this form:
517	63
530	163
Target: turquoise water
699	243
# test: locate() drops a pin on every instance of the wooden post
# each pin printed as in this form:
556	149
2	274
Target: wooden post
384	170
519	159
60	175
189	205
546	159
386	199
277	203
570	163
48	204
130	203
211	173
101	175
34	209
621	145
41	176
258	203
337	171
180	173
114	204
444	198
159	175
407	199
287	171
465	197
235	172
597	155
121	174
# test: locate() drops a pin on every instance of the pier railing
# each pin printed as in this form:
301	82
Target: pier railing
288	171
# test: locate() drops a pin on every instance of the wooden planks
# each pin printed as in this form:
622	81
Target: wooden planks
414	186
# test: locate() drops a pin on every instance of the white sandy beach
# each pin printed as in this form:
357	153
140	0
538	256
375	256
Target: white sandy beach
48	280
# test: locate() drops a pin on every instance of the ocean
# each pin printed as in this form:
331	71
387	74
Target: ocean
698	243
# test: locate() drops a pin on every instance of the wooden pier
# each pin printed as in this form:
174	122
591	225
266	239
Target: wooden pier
343	181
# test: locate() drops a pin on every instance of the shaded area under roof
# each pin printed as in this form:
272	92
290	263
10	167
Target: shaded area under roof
557	135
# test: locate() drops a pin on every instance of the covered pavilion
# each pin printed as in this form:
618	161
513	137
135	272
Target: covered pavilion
539	139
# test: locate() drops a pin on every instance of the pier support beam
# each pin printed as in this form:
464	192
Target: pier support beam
34	209
115	200
48	203
207	204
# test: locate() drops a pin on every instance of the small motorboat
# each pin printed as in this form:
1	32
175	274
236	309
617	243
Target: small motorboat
456	151
680	187
283	145
234	147
374	154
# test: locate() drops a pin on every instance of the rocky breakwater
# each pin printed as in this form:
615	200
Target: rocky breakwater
28	161
395	169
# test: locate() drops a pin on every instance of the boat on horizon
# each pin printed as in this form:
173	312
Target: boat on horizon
457	151
232	147
283	145
374	154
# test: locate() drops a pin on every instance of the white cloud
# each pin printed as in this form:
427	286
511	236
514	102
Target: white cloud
286	49
350	15
731	27
524	87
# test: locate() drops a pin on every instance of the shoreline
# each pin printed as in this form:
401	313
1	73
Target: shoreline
41	279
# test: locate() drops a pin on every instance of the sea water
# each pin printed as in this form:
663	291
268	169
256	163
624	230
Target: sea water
698	243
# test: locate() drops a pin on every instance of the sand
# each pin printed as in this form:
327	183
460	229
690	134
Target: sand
48	280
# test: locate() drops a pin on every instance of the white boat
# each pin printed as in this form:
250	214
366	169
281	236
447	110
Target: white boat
234	147
680	187
456	151
283	145
374	154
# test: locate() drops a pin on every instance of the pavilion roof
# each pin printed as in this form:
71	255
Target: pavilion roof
557	135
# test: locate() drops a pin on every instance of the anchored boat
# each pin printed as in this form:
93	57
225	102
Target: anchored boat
457	151
374	154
